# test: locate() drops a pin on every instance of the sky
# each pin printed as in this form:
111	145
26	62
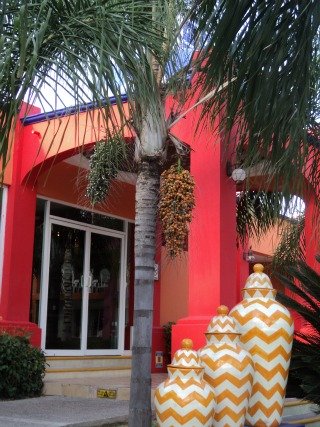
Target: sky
48	101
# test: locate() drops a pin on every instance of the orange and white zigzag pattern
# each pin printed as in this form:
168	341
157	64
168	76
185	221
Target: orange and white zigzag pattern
229	370
187	358
221	324
218	339
267	331
258	280
183	400
259	293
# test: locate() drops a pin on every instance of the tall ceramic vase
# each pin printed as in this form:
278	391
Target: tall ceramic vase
266	332
228	368
184	399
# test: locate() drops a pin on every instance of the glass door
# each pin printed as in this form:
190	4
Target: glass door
84	300
65	288
104	292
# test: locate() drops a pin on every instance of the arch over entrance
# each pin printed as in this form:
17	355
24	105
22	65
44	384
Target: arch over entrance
41	147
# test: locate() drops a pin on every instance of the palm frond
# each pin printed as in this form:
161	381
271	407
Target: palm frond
292	244
304	284
92	49
268	52
104	164
256	212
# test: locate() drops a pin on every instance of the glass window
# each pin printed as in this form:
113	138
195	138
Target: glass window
85	216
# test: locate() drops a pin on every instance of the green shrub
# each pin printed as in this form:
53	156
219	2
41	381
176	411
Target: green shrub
21	368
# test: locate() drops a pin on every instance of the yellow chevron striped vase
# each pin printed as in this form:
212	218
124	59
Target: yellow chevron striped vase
185	399
266	332
228	368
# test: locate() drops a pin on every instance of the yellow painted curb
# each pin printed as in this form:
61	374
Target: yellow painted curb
305	420
296	402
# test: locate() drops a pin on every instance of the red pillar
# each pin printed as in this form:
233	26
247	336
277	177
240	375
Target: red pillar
212	240
18	250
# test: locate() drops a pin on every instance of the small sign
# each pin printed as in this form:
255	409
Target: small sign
156	271
107	393
159	359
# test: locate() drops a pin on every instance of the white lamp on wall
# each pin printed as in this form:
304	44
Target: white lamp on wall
236	173
248	256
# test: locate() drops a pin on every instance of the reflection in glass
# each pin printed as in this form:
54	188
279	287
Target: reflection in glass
129	287
65	288
85	216
37	261
103	319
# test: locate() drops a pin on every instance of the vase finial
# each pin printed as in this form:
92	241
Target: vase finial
222	310
187	344
258	268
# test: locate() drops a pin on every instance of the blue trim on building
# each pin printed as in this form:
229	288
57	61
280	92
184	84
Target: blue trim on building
68	111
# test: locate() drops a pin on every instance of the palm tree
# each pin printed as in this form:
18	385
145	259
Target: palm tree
104	47
264	48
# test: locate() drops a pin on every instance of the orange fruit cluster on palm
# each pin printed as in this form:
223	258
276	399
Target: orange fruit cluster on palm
175	207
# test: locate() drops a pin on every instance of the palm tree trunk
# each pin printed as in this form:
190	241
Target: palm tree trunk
147	193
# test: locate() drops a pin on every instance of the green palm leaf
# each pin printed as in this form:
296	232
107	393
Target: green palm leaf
256	212
268	53
90	48
304	284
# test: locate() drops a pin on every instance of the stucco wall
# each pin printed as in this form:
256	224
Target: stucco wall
174	287
67	183
268	243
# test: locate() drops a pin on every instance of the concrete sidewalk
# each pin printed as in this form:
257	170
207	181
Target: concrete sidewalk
59	411
62	411
73	402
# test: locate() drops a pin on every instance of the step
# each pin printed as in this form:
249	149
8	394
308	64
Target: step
60	367
301	412
116	384
90	387
294	406
309	419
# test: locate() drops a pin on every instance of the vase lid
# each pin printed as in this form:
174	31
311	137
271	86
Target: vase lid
258	279
222	323
186	357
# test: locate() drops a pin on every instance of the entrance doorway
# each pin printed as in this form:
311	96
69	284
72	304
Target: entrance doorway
83	296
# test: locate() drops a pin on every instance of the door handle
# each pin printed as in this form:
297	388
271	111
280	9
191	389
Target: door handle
89	282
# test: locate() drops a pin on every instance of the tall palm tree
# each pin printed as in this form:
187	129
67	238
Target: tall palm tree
264	51
105	47
100	47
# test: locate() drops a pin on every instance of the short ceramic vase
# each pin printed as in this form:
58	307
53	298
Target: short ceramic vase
228	368
184	399
266	329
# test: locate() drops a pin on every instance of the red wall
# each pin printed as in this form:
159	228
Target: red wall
68	183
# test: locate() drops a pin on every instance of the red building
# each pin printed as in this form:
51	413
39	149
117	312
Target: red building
67	269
